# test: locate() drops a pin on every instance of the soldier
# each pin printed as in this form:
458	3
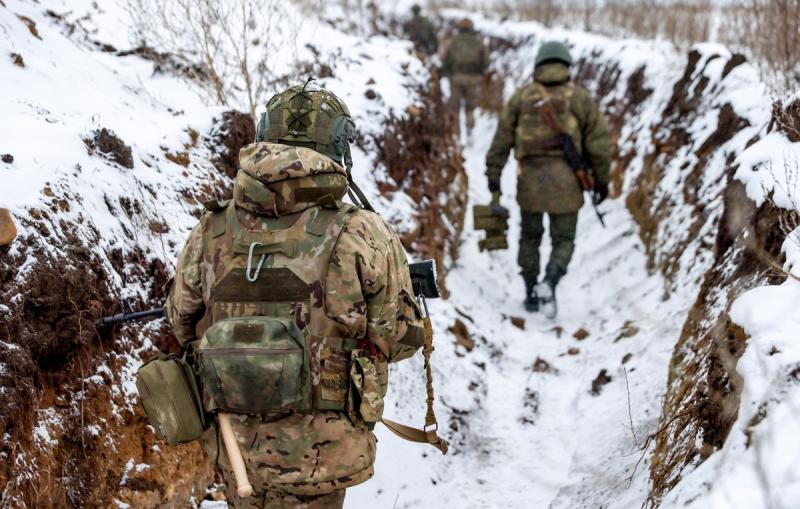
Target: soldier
421	32
546	183
465	61
286	263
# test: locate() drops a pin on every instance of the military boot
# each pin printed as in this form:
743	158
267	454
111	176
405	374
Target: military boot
531	300
546	290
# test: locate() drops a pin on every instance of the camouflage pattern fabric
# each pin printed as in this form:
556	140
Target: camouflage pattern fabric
465	90
465	53
422	33
299	454
280	500
562	234
546	182
338	272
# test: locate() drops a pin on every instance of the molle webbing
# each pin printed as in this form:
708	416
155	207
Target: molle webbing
289	285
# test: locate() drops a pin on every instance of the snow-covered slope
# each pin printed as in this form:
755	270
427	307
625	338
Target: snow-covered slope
597	408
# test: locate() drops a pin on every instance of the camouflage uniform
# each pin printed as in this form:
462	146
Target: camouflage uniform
422	32
465	61
341	275
546	183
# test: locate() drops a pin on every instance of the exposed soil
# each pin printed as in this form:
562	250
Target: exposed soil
229	134
111	146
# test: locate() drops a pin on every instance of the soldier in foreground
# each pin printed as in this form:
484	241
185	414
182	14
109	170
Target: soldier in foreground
535	123
465	61
296	303
421	31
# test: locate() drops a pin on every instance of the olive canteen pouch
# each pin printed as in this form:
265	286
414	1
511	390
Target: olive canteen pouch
168	392
255	365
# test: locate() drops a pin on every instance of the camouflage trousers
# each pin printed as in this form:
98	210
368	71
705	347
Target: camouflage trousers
562	234
465	90
279	500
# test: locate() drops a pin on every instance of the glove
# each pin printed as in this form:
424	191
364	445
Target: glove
497	209
494	186
600	192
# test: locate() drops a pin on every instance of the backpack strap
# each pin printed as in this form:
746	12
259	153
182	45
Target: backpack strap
428	434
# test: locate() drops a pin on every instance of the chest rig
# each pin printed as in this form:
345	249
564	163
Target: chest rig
534	137
265	276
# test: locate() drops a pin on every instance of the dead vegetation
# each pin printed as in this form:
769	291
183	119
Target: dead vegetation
767	32
235	43
420	154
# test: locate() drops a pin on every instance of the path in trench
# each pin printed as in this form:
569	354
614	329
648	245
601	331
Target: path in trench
538	439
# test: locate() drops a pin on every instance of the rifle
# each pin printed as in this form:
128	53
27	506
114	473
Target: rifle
574	158
423	281
129	315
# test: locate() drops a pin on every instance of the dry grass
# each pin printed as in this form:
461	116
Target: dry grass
766	31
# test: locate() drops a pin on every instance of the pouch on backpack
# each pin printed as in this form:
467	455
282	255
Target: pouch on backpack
255	365
369	382
168	392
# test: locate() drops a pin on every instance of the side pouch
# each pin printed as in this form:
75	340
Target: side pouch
367	389
255	365
168	392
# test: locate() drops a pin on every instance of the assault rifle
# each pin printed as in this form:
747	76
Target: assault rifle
423	281
574	158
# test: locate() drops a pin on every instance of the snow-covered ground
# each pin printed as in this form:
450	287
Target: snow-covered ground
531	433
538	415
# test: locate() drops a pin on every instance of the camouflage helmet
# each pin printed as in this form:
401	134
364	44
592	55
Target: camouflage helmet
465	24
553	51
415	9
311	117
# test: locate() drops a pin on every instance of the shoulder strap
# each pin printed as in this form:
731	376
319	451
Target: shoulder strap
428	434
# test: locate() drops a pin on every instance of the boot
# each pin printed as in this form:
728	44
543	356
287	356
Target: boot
531	300
546	290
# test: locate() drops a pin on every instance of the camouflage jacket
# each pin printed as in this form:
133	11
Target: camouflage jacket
465	53
361	290
422	33
521	127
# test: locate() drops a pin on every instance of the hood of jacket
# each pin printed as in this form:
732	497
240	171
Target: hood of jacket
552	73
276	180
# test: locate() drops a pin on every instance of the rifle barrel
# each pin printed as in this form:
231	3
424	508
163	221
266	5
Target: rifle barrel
129	317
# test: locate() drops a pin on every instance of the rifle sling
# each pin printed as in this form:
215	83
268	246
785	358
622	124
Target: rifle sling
548	114
428	434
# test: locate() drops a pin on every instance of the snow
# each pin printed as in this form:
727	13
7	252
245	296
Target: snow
564	445
520	437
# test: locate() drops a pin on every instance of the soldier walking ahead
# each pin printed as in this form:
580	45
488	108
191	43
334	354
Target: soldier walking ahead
465	61
546	183
421	32
294	303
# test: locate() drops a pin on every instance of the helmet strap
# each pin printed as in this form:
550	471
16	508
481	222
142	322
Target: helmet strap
353	191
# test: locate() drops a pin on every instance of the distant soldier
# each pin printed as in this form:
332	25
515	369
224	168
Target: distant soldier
295	302
421	31
465	61
534	123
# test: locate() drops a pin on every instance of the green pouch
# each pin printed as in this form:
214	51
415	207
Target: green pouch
368	387
168	392
255	365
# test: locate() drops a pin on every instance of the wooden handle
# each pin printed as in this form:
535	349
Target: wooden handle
243	486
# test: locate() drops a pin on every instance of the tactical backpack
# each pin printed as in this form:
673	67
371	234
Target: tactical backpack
269	349
534	135
466	54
